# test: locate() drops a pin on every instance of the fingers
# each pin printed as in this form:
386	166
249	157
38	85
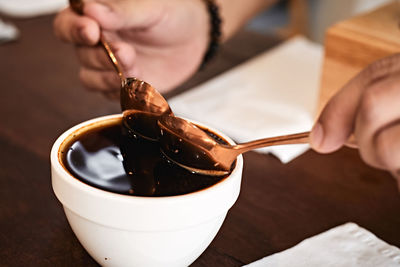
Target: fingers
367	108
111	15
114	95
96	58
98	73
387	144
115	15
103	81
337	121
377	113
396	175
73	28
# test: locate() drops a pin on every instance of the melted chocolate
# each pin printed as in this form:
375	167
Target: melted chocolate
109	159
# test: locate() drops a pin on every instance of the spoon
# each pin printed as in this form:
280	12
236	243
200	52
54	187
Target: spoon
147	114
141	104
198	151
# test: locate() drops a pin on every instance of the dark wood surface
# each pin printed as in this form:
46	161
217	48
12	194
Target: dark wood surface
279	205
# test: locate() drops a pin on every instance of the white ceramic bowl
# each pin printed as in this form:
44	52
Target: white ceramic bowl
122	230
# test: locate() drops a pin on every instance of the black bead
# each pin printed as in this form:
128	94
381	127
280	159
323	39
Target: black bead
215	32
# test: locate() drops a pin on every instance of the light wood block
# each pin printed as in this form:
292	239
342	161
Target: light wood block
353	44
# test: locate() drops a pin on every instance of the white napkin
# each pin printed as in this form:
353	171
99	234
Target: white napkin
29	8
343	246
273	94
8	32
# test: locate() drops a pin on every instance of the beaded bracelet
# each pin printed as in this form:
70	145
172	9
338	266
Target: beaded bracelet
215	31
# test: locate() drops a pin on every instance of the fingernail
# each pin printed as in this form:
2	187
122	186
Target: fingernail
317	135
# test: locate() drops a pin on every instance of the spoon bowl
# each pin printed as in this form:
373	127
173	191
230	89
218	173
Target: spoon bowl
198	151
190	147
142	107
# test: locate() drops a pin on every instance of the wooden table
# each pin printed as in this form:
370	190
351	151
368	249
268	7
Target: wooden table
279	205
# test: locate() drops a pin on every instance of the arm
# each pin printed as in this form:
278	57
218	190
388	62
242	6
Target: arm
236	13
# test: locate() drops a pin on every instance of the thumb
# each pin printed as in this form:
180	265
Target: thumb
121	14
336	122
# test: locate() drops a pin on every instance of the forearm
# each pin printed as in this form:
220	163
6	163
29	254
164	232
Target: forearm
235	13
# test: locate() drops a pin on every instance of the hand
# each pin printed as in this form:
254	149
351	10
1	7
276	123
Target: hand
369	108
161	42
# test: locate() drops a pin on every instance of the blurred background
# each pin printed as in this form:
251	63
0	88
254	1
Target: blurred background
309	17
287	18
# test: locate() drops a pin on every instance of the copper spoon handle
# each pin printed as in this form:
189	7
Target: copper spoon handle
77	6
113	58
298	138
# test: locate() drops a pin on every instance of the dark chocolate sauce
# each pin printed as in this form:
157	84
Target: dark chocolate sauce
142	124
110	159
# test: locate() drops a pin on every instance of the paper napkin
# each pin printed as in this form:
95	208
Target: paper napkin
29	8
347	245
273	94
